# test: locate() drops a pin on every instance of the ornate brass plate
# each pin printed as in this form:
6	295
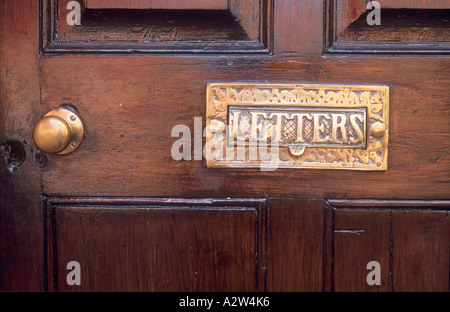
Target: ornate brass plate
304	126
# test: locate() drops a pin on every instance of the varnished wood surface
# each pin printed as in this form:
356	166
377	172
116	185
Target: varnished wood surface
415	4
242	28
171	246
131	104
312	229
21	253
401	26
290	36
360	237
295	245
411	244
421	251
159	4
418	27
152	26
279	244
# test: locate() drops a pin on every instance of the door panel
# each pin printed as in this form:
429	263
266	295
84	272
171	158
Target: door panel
421	250
409	240
360	237
401	27
243	27
151	245
134	133
158	4
136	219
296	245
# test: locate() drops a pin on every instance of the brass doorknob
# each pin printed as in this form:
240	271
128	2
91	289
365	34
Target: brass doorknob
58	132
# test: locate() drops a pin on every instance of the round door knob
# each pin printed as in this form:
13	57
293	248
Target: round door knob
58	132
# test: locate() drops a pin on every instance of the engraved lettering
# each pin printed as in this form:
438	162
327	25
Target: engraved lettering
300	126
319	128
291	128
235	125
256	127
356	128
339	122
275	134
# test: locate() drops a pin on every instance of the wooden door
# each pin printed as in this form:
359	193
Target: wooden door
130	217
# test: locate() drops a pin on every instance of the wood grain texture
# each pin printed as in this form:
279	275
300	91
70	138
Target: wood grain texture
243	27
130	105
298	26
360	237
415	4
401	26
344	13
412	242
21	239
406	27
349	11
421	251
160	248
101	205
252	17
158	4
122	25
295	245
328	248
391	204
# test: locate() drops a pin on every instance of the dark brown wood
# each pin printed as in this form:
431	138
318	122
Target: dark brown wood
293	36
420	251
328	248
136	219
295	245
415	4
178	246
348	11
394	204
405	27
401	26
158	4
242	28
21	227
154	26
414	243
360	237
343	13
143	118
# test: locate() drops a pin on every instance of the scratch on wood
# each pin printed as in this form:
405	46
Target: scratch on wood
358	232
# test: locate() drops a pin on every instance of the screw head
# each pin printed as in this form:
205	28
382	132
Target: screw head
378	130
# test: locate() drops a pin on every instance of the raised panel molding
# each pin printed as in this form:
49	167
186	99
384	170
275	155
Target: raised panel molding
406	27
144	244
273	244
409	239
245	27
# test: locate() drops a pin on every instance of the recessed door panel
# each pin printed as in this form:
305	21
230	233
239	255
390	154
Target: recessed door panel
150	246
